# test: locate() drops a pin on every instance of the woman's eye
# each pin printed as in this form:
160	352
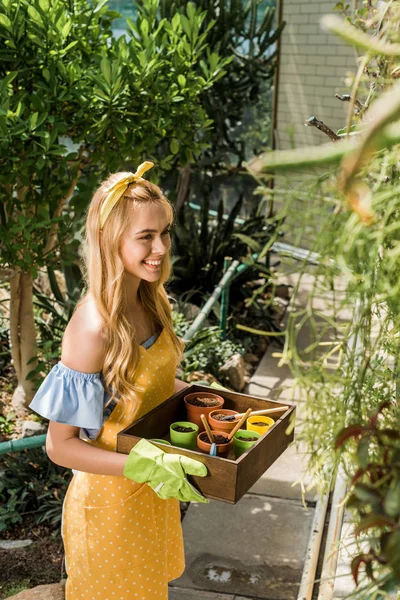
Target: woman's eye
149	236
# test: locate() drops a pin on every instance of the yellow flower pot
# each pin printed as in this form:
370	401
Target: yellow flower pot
253	424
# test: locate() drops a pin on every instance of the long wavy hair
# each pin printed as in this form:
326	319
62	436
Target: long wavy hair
103	272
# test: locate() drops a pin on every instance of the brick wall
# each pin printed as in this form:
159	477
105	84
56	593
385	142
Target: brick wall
313	65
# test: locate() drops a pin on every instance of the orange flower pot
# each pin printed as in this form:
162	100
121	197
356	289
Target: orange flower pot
222	425
222	449
193	412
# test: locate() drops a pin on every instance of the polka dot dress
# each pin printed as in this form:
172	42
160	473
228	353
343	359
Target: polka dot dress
121	541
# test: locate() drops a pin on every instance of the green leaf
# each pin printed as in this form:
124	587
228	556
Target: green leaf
186	26
182	80
44	5
144	27
3	125
100	5
66	29
392	551
5	21
363	451
176	19
174	146
191	11
260	331
71	45
33	120
35	15
343	131
106	69
392	501
253	244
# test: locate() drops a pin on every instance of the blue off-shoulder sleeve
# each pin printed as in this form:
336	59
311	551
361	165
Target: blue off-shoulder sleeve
71	397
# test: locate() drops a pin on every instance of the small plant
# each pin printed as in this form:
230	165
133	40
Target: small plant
206	352
375	496
6	423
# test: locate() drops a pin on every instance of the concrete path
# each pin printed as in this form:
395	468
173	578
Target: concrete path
256	549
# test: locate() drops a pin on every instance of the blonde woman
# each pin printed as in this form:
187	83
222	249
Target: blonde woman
121	518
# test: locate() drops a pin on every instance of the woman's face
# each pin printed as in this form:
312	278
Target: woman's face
146	242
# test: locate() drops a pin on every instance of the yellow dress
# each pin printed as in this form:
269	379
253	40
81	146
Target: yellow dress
121	541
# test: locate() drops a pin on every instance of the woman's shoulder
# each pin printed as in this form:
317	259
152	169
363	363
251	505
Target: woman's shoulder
84	343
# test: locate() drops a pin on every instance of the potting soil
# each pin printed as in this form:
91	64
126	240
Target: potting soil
182	429
203	402
219	439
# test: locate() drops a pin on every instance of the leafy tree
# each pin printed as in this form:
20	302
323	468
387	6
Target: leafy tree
246	34
75	104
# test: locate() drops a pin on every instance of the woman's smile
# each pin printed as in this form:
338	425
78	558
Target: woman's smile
153	265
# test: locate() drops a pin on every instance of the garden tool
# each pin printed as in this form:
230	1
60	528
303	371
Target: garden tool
265	411
164	473
213	449
239	424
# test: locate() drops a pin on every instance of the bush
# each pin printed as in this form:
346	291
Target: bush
32	490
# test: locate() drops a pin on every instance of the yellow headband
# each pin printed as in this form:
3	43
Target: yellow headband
117	190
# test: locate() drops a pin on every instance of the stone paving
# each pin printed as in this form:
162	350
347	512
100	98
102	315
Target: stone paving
256	549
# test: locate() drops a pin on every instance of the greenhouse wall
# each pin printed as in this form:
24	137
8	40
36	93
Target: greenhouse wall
313	67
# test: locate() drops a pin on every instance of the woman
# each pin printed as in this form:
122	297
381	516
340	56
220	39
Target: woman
121	518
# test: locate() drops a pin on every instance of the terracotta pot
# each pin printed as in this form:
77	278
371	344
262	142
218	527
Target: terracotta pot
194	412
222	425
222	449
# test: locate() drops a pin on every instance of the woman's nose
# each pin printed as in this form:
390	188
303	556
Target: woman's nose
160	246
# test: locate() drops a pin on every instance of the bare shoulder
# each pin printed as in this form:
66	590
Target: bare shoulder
84	344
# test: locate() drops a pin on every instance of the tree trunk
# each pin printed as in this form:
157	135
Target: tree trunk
22	338
183	187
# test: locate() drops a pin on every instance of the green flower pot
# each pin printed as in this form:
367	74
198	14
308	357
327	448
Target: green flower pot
184	440
240	446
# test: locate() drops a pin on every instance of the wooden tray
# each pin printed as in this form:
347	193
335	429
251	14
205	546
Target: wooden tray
228	479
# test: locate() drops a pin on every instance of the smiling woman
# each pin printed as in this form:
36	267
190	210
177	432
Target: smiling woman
118	362
145	244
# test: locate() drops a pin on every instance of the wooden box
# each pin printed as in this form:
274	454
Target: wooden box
228	478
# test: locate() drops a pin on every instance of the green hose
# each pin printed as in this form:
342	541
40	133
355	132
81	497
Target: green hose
23	444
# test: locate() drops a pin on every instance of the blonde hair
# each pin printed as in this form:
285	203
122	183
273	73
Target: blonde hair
103	271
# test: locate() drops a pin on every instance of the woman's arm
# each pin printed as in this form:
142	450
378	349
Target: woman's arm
64	448
83	349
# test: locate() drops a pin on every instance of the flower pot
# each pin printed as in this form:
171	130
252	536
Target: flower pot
193	412
184	439
241	446
222	449
252	424
222	425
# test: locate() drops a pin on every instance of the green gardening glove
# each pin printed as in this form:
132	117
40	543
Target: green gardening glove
164	473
